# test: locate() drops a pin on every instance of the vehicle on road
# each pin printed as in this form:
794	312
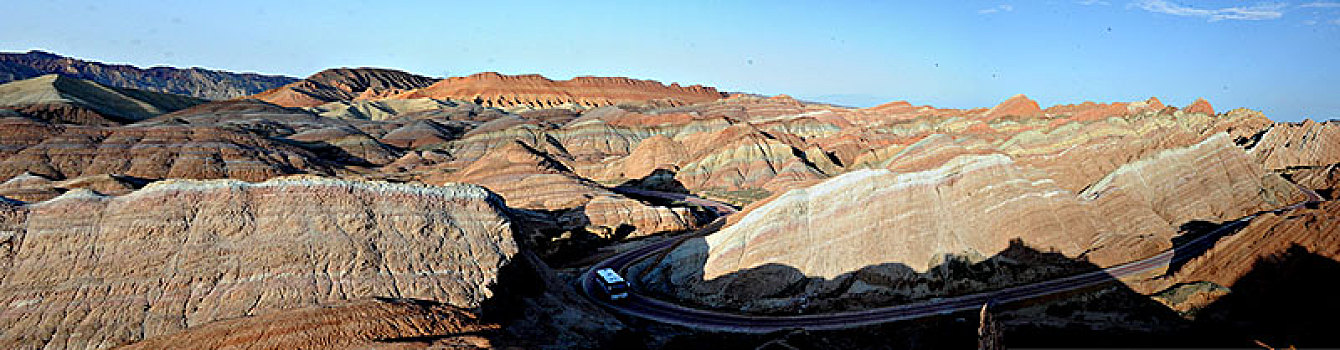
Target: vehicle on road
614	286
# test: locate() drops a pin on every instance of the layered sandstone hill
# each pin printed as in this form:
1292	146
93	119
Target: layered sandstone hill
86	271
497	90
152	151
964	187
342	84
745	147
196	82
1314	230
339	141
1293	145
59	99
530	179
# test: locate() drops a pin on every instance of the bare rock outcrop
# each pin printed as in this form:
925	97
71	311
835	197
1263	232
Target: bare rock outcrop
86	271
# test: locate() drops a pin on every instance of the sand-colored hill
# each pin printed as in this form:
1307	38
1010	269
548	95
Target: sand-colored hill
59	99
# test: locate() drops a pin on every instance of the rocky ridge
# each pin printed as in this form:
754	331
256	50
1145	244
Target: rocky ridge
534	91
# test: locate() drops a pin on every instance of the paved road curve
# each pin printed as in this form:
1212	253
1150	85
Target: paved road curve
642	306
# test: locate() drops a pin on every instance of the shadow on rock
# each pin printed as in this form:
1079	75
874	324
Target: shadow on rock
659	180
1286	299
538	309
1197	237
1104	314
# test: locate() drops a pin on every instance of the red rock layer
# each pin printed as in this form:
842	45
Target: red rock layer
497	90
1017	106
1200	106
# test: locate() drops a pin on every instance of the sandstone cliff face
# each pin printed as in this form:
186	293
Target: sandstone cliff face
90	271
196	82
497	90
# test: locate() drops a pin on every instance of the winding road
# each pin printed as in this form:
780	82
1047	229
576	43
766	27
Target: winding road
645	307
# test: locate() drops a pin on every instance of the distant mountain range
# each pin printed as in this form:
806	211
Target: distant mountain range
196	82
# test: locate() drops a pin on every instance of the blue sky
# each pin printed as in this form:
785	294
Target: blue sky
1279	57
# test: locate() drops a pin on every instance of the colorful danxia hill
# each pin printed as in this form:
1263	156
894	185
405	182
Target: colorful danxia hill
375	208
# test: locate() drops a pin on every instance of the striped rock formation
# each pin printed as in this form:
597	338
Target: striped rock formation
86	271
534	91
530	179
1305	144
1110	190
154	152
341	84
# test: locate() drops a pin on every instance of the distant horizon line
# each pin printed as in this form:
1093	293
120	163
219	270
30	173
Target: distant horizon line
825	99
